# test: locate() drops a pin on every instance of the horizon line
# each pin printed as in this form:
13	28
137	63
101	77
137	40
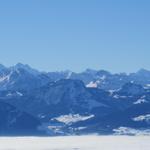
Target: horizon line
69	70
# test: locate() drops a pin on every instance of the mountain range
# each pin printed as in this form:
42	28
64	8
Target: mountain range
68	103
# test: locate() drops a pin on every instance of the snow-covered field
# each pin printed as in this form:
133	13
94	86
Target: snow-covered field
76	143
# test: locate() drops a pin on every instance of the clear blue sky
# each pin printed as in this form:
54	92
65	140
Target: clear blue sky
76	34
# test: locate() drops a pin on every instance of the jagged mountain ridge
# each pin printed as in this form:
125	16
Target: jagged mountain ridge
77	103
91	78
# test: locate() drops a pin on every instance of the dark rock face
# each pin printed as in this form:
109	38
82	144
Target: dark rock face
132	89
16	122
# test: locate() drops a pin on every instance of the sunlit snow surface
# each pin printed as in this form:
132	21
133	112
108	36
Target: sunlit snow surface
76	143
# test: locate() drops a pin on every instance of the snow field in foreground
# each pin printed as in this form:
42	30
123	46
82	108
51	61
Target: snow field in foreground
76	143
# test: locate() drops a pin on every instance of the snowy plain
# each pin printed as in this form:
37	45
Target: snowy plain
76	143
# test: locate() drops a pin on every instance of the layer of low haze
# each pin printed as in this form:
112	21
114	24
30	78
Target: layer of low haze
76	143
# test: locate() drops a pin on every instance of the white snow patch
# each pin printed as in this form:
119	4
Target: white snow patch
72	118
92	85
55	129
142	118
119	96
148	85
116	96
14	94
131	131
141	100
5	78
111	92
81	128
9	94
18	93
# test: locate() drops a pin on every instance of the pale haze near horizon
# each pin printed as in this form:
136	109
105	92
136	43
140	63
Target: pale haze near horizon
89	142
